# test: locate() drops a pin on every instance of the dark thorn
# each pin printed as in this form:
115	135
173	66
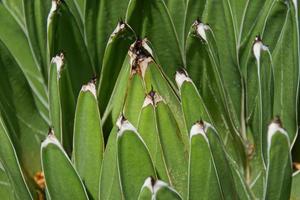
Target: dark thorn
50	131
182	71
277	120
153	180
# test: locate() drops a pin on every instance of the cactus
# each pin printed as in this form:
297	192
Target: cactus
149	99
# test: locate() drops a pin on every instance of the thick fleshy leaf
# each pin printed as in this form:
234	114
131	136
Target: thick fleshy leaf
5	187
203	180
222	166
54	96
109	13
177	9
149	132
286	73
64	35
295	193
279	163
134	161
191	99
109	180
204	70
157	189
62	180
151	19
173	147
88	142
11	165
114	56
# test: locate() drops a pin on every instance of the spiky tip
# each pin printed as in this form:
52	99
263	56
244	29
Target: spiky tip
90	87
181	76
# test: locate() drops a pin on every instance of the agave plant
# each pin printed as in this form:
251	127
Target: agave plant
149	99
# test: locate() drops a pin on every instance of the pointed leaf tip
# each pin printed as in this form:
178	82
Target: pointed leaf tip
181	76
258	46
58	60
124	125
201	28
140	56
51	139
152	98
90	87
275	126
200	127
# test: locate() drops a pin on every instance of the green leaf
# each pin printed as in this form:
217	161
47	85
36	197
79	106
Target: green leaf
176	9
203	180
201	65
55	109
222	166
10	162
88	144
149	132
36	12
191	99
279	163
114	56
286	73
157	189
64	35
62	180
24	123
6	191
15	40
173	147
110	187
109	13
295	193
151	19
134	161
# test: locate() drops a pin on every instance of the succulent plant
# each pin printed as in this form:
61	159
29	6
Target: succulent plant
149	99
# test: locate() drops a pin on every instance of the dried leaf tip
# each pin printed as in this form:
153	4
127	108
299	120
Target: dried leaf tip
201	29
140	56
152	98
54	6
274	127
50	139
181	76
258	46
58	60
119	28
124	125
154	185
90	87
200	127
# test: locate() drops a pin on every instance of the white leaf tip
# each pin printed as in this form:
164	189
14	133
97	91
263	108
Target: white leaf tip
124	125
181	76
90	87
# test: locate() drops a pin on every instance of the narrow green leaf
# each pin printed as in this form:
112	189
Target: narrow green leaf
146	190
151	19
54	95
62	180
15	40
203	180
6	191
134	161
88	144
36	12
114	56
10	162
279	163
24	123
